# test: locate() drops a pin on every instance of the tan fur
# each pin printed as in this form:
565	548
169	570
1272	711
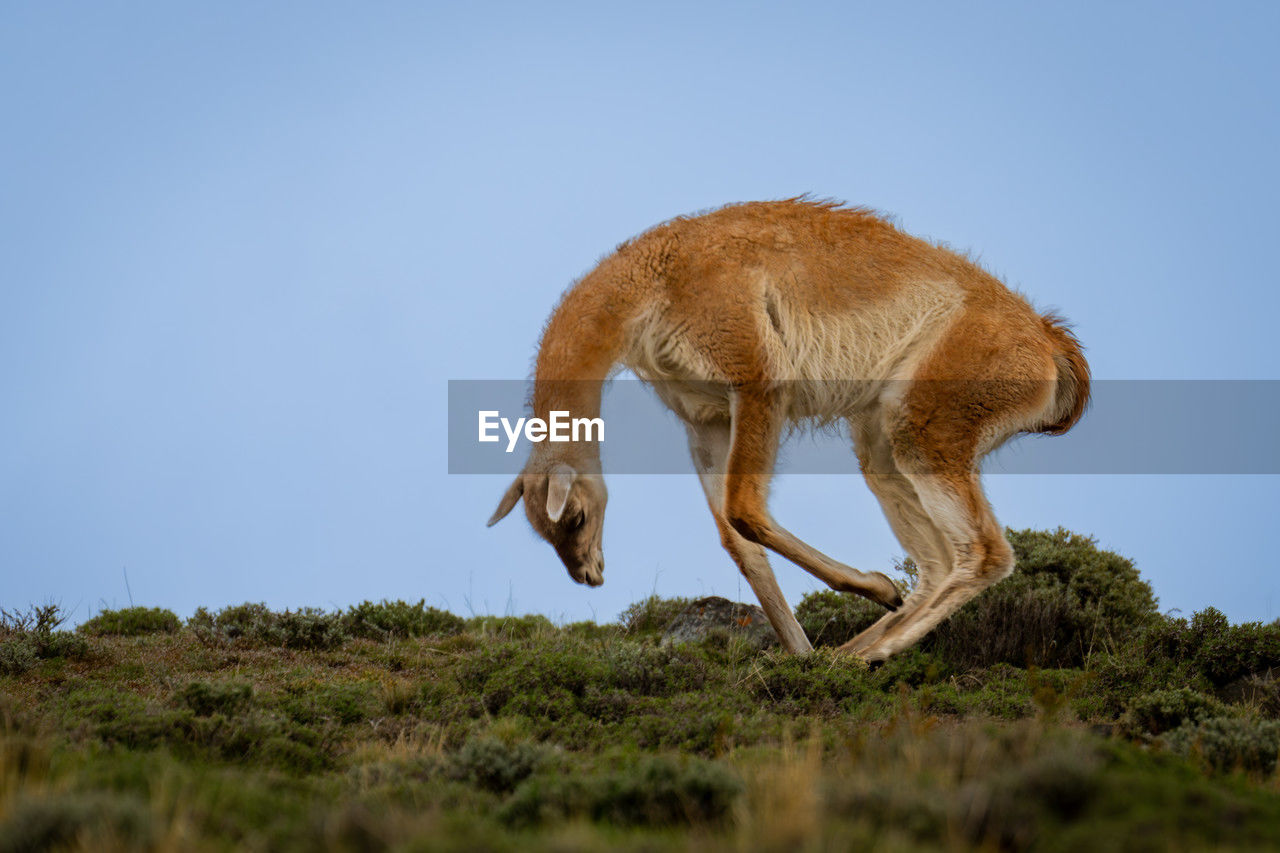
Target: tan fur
755	317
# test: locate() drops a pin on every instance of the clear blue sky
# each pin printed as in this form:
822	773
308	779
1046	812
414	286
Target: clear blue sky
246	245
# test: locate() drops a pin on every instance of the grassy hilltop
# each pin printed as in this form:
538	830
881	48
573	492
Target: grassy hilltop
1058	711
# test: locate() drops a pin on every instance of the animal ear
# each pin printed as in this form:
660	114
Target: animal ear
562	477
509	500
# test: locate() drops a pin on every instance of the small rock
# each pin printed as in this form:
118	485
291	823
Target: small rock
715	615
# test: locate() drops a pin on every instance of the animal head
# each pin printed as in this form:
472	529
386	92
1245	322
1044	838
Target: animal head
566	508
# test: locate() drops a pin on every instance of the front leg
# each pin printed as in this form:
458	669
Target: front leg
757	413
709	446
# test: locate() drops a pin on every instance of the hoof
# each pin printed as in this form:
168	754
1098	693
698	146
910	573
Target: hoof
874	656
890	598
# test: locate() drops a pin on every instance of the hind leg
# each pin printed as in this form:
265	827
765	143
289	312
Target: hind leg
978	387
915	530
955	502
968	397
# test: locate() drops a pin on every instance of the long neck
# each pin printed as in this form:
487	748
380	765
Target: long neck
583	341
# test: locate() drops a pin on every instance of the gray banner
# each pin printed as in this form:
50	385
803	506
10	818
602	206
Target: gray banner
1131	427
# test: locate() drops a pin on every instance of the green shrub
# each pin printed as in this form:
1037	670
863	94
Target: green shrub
1012	809
305	628
242	620
1066	599
248	737
66	820
495	765
99	704
651	615
546	799
591	631
1001	691
693	723
1118	677
343	703
292	752
912	667
147	728
831	618
662	791
1258	690
131	622
1024	621
1163	710
38	619
1205	653
820	682
1229	743
511	627
399	619
206	699
607	705
653	670
27	637
17	655
61	644
1214	648
655	791
546	683
1103	583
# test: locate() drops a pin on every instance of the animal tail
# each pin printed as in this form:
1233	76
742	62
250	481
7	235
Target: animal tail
1072	393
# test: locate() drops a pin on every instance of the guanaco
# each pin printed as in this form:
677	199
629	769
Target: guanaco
758	316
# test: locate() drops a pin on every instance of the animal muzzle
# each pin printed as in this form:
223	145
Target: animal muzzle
591	572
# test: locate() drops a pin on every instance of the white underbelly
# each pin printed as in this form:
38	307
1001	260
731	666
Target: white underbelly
831	365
